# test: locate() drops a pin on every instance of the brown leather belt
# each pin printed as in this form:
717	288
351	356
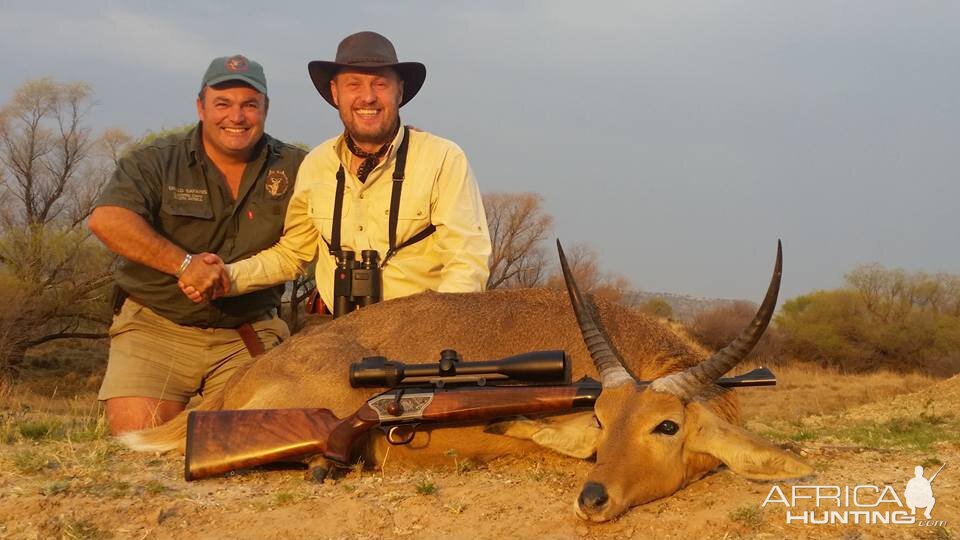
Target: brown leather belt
249	337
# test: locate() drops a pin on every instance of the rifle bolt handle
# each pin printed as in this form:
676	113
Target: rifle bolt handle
395	407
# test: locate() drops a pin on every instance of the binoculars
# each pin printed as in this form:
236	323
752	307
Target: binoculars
355	283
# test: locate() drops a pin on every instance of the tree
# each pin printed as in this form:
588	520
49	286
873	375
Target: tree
585	267
885	294
657	307
518	226
54	277
882	319
891	295
151	136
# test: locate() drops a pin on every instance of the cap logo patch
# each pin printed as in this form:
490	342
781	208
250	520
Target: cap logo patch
277	183
237	63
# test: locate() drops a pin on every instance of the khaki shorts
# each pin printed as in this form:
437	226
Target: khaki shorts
150	356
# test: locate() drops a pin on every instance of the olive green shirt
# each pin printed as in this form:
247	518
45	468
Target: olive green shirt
183	196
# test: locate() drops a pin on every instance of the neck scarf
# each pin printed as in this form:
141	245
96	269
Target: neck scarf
370	159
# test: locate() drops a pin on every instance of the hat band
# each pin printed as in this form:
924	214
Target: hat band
369	60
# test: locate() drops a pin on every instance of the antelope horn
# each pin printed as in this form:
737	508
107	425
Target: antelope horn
612	372
689	383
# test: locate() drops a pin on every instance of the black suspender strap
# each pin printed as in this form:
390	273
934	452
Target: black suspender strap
398	175
399	172
427	231
337	212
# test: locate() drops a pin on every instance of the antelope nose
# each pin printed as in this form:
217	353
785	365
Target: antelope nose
593	495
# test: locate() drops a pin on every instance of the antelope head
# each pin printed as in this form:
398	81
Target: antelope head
656	439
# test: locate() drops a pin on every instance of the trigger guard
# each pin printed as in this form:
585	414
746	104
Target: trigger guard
394	439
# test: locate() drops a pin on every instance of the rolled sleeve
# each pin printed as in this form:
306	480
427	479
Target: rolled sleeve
133	187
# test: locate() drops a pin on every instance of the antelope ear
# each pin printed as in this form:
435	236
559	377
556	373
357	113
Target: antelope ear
743	452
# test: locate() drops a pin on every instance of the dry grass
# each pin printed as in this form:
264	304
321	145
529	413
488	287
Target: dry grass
56	436
54	453
68	368
882	410
806	389
750	516
23	402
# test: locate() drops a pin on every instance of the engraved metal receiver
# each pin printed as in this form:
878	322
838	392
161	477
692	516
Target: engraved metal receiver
403	406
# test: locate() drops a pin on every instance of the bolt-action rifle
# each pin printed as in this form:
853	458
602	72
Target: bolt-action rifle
433	395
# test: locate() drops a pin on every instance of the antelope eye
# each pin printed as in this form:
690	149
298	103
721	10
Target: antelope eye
667	427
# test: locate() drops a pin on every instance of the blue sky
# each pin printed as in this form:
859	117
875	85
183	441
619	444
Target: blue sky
679	139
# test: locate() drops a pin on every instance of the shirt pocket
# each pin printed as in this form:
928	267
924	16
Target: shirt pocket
320	208
187	204
413	217
188	210
190	223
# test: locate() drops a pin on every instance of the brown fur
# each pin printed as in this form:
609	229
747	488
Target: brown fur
311	370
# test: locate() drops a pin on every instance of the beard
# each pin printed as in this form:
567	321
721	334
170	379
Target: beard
367	134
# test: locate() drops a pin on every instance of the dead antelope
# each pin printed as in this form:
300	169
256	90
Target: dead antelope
649	441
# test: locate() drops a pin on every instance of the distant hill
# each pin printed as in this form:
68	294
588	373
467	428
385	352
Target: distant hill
685	307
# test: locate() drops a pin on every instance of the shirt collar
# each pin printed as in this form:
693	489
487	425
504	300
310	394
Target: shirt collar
194	145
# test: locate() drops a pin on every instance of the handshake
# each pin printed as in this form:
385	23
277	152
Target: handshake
205	278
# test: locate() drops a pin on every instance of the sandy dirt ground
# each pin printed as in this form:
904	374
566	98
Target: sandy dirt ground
97	489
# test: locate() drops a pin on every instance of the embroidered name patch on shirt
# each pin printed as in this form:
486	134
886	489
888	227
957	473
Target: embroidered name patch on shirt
188	194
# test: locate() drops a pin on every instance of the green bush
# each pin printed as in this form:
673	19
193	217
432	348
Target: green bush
882	319
658	307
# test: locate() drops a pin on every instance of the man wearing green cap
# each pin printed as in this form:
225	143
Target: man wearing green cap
222	188
407	195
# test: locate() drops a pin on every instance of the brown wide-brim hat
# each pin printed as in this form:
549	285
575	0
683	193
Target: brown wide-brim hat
367	50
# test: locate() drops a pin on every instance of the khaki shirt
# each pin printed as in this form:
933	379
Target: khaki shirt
171	184
438	188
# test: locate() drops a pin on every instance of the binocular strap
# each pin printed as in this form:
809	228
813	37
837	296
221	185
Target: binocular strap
398	176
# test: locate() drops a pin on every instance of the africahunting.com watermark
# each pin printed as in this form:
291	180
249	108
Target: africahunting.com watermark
862	504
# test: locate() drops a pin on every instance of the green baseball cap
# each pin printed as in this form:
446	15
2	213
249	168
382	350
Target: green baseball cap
235	68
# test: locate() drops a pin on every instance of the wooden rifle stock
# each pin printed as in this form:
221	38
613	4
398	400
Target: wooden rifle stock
221	441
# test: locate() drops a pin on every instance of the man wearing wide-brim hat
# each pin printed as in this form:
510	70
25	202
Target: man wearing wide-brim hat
374	178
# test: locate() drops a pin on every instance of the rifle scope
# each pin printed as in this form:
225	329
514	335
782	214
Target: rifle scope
539	367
